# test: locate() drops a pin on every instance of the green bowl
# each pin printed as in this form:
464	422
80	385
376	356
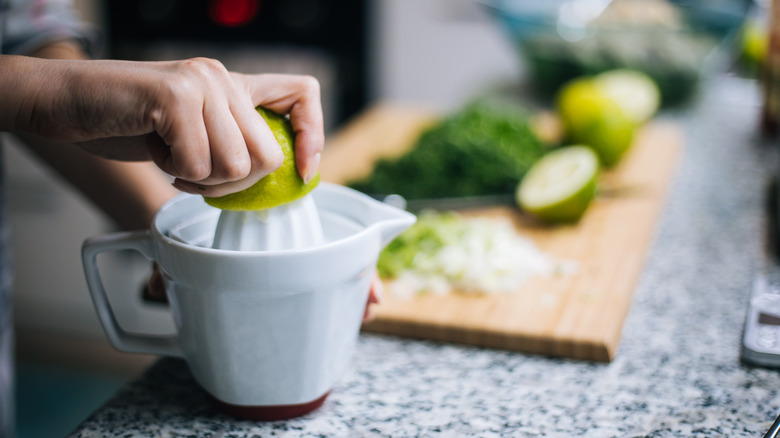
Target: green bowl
674	42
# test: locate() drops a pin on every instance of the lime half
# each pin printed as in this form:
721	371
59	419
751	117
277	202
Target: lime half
561	185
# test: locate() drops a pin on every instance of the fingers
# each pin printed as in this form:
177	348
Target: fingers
243	151
298	96
183	150
229	151
213	140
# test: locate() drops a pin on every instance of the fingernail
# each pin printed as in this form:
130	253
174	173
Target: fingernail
314	164
184	187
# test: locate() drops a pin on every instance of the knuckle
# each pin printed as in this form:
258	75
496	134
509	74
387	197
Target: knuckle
309	85
235	170
273	161
200	69
195	172
203	64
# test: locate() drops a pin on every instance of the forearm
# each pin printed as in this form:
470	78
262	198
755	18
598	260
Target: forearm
24	82
78	100
27	82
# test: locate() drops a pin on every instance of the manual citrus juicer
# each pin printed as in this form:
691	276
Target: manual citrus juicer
267	304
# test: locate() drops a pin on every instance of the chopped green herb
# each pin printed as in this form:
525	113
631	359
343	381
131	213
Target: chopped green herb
446	252
485	148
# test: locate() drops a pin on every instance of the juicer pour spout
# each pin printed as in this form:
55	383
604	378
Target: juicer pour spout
389	220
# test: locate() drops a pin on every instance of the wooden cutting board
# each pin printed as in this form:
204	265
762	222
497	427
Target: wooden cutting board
578	315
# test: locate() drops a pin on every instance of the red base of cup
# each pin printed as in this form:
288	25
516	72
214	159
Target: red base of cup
269	413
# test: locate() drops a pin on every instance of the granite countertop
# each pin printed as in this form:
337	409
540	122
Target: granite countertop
677	371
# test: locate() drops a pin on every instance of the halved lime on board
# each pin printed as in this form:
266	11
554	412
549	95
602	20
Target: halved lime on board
560	186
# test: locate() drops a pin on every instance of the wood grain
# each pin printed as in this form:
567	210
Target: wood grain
579	315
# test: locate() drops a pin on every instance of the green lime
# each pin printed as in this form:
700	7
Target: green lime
279	187
754	44
635	92
580	103
560	186
611	137
593	118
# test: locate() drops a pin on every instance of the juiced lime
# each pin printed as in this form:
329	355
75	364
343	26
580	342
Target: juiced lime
593	118
280	187
635	92
561	185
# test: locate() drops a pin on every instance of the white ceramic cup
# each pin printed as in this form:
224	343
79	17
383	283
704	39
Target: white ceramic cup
259	329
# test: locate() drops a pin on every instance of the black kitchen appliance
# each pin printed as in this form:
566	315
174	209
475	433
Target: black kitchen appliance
333	30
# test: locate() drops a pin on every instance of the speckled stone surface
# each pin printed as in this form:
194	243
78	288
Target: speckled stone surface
677	372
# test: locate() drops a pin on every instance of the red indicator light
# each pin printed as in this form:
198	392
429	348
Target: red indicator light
233	13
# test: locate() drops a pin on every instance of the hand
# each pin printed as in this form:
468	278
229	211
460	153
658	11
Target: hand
195	119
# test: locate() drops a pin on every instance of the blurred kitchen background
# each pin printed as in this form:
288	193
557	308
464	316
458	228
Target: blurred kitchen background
433	53
436	53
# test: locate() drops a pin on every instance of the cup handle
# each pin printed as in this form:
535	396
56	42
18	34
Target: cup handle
122	340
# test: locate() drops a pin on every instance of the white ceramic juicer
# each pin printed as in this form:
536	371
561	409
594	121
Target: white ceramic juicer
268	326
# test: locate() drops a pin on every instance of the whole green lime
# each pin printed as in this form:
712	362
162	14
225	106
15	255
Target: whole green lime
754	44
279	187
594	118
